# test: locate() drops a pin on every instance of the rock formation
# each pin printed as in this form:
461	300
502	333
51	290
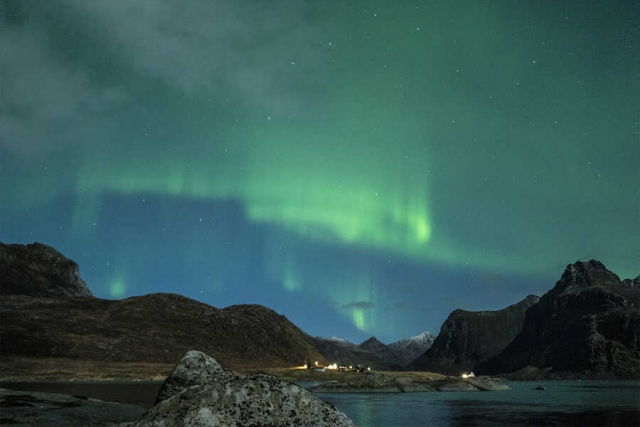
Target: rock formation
470	337
255	400
373	382
39	270
194	369
588	323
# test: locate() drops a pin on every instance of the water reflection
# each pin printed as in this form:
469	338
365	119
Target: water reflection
585	403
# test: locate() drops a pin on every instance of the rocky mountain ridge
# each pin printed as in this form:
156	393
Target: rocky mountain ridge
470	337
370	352
588	323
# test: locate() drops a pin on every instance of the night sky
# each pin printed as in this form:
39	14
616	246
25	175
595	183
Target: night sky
362	167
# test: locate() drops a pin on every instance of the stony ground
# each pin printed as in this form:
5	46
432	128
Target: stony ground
31	369
32	408
41	369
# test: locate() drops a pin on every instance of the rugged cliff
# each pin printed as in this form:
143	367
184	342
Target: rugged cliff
40	271
470	337
588	323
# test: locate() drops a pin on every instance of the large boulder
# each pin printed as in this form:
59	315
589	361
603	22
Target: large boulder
40	271
194	369
255	400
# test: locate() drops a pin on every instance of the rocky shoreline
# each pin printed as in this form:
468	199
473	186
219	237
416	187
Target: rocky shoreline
35	408
200	388
385	383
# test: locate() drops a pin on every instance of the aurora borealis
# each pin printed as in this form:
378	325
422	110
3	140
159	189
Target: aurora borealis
363	168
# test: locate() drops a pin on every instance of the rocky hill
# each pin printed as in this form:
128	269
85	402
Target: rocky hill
588	323
154	328
371	353
409	349
470	337
39	270
46	311
382	352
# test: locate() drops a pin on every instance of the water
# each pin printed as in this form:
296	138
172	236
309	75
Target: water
579	403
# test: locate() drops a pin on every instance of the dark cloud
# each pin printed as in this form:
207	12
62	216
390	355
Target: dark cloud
490	279
48	98
62	65
255	52
405	287
362	305
402	305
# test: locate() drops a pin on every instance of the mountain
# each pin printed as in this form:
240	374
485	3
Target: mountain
470	337
386	355
39	270
47	312
371	353
409	349
589	323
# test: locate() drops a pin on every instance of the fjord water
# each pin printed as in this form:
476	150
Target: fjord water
579	403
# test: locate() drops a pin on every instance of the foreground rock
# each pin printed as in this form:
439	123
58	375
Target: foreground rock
40	271
255	400
586	326
50	409
385	383
470	337
194	369
202	392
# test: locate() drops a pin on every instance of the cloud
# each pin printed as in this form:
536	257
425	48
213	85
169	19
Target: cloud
401	306
490	279
362	305
405	287
68	69
44	96
257	52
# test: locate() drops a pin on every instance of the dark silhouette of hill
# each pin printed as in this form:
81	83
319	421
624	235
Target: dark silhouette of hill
40	319
469	337
589	323
371	353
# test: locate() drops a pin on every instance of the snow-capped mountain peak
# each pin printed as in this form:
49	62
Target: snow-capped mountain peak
414	346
